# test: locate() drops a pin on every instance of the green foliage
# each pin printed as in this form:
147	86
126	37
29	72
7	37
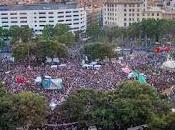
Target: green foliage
30	109
24	109
15	33
20	51
26	34
48	32
40	50
112	33
132	104
93	30
98	51
151	28
20	34
60	33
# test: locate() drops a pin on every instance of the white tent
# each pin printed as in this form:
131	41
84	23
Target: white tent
48	60
38	79
169	64
56	60
54	67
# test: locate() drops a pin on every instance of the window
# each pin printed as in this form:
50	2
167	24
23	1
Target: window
50	12
60	12
60	16
4	14
23	21
60	20
13	13
68	11
13	17
42	21
68	19
13	21
4	18
68	15
42	12
5	26
4	21
42	17
23	13
75	11
51	17
23	17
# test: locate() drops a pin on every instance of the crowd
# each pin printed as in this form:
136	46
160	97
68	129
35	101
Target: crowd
74	76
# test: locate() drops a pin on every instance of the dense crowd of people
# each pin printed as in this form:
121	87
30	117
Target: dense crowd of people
74	76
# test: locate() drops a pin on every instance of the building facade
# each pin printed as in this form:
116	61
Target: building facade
39	15
123	13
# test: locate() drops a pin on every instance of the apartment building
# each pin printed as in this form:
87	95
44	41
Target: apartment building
125	12
122	12
39	15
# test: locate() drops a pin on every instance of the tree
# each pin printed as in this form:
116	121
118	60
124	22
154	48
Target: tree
15	33
132	104
99	51
67	38
93	30
112	33
7	116
26	34
30	109
20	34
48	32
63	34
20	51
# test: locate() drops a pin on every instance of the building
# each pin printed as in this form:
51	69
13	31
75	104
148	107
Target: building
94	15
122	12
153	13
39	15
13	2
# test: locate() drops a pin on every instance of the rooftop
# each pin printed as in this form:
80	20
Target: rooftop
46	6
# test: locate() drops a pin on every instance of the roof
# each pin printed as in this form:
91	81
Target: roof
46	6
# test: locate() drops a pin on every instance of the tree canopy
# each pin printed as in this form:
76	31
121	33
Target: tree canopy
99	51
24	109
132	104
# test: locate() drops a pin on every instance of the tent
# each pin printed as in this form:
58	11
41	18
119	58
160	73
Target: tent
137	75
142	79
52	83
38	79
54	67
20	79
56	61
169	64
48	60
126	70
